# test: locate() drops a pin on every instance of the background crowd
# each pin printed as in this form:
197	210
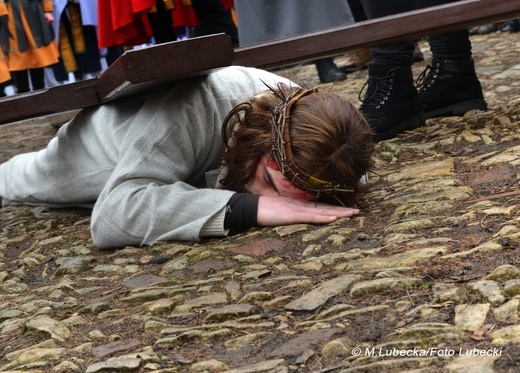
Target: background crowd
50	42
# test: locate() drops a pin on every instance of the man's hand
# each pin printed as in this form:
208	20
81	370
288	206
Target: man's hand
274	211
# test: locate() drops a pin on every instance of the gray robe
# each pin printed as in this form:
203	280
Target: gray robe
141	161
266	20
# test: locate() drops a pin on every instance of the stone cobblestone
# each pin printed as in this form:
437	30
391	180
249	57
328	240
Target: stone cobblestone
426	279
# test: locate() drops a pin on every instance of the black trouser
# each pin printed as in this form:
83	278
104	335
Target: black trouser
113	53
449	46
161	23
356	8
21	79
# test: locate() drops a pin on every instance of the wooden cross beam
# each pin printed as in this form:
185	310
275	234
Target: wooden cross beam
135	71
150	68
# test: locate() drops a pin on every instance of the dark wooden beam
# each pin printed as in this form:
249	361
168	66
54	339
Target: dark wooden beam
142	69
48	101
135	71
399	27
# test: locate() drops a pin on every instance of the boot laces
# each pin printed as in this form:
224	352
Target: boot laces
427	77
376	90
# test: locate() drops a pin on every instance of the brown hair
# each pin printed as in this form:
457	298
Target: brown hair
330	139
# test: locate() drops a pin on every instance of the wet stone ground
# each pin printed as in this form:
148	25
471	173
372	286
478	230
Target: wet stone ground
426	279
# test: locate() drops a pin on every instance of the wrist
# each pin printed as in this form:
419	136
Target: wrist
242	211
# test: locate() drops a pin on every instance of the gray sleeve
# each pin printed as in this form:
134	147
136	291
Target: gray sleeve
154	192
133	214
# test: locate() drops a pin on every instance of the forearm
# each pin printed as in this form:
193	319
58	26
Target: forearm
142	215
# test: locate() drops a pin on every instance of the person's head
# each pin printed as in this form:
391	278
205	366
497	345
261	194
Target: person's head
297	143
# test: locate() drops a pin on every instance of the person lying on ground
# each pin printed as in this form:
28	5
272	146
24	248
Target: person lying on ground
145	162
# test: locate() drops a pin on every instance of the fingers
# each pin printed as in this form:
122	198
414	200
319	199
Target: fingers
327	209
335	210
274	211
325	214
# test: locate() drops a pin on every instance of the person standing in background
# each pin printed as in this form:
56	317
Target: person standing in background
265	20
449	86
31	43
76	40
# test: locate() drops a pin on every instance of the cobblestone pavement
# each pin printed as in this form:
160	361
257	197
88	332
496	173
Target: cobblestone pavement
426	279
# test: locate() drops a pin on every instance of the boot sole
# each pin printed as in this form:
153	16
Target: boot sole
457	110
413	122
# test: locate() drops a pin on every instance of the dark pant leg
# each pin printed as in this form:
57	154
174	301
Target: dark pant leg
113	53
161	23
356	8
448	46
37	78
395	54
21	81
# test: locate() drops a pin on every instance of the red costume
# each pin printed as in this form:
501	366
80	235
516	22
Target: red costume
125	22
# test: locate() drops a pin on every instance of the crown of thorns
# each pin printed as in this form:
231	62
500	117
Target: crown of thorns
282	152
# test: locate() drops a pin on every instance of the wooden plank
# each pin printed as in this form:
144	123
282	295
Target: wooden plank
404	26
136	70
142	69
48	101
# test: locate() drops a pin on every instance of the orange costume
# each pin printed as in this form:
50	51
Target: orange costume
4	68
32	44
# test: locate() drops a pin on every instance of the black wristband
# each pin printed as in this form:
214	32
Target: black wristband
241	211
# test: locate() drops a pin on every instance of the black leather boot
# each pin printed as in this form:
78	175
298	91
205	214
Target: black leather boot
391	103
450	87
328	72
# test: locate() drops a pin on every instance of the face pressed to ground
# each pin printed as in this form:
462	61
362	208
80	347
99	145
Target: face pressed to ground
269	181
